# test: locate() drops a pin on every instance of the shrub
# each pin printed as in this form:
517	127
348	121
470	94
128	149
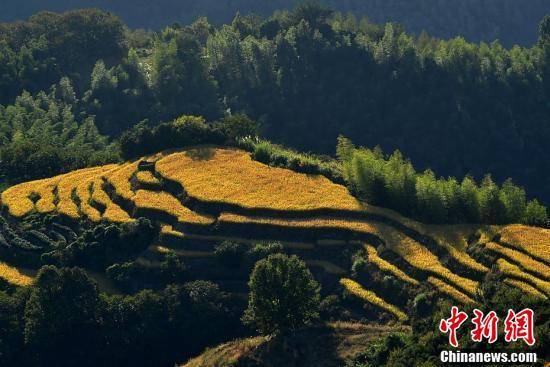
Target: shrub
104	244
179	133
238	126
535	214
230	253
331	308
274	155
263	250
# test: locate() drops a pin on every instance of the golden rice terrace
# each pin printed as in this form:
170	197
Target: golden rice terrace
206	195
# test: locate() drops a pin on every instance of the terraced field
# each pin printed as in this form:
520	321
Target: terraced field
14	275
206	195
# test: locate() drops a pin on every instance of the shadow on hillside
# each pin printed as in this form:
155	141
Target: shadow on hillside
315	347
200	154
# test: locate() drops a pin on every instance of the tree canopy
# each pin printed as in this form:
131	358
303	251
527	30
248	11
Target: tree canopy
283	295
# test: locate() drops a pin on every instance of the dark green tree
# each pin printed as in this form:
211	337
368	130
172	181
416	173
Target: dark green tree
63	318
283	295
180	78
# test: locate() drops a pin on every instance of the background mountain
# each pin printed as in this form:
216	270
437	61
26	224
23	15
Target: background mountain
510	21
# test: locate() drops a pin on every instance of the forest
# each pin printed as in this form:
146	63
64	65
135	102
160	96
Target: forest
509	21
82	78
274	182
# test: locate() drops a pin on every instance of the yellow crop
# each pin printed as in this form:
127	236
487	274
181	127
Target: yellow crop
421	258
165	202
16	198
515	272
326	266
527	288
307	223
357	290
524	261
70	182
231	176
454	239
167	229
83	193
183	253
451	237
411	251
113	212
388	267
464	259
46	202
120	179
13	275
534	241
146	177
449	290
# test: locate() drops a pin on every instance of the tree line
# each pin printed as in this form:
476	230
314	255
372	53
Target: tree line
509	21
392	181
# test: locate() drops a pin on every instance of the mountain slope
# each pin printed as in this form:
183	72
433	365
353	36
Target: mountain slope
202	196
321	346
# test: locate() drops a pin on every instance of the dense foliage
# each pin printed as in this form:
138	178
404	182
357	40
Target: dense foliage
283	295
37	53
453	106
63	320
508	20
45	134
307	76
393	182
103	245
184	131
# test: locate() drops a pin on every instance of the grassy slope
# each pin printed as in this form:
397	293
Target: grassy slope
326	346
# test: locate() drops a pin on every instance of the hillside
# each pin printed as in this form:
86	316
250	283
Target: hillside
73	84
324	346
301	187
202	196
509	21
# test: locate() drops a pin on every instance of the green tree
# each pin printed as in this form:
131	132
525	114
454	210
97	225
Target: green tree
63	318
11	332
514	201
535	213
283	295
430	198
230	254
469	200
544	31
491	207
181	80
239	126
